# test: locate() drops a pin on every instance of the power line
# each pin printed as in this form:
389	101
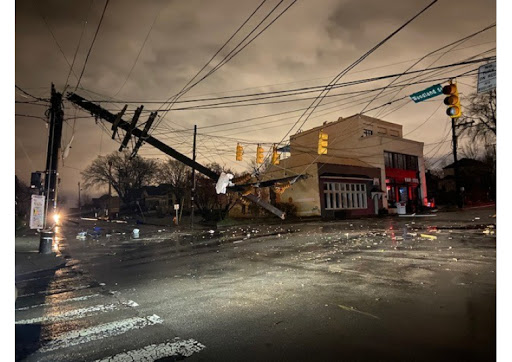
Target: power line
322	95
300	91
185	89
458	42
30	95
77	47
92	44
140	50
230	55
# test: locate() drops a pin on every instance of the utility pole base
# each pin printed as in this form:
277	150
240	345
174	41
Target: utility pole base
46	242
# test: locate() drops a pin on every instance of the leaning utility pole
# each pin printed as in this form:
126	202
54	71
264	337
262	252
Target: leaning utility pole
52	163
98	111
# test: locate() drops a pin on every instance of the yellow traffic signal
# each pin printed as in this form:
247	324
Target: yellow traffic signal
322	143
239	152
259	154
452	101
275	156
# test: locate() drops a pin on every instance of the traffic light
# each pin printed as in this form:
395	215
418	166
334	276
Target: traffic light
322	143
452	101
259	154
239	152
35	180
275	156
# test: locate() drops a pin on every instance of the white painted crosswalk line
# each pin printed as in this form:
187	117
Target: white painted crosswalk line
77	313
155	352
76	337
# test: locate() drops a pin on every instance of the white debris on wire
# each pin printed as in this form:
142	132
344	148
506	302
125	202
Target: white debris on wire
223	182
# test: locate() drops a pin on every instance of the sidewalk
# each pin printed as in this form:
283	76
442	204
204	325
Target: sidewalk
27	257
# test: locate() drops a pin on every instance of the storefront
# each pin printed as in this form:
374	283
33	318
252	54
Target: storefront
402	186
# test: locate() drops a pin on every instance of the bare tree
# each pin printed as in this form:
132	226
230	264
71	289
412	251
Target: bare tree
209	204
176	174
482	111
124	173
471	150
22	198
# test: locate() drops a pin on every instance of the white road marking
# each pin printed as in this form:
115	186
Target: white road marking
77	299
155	352
77	313
102	331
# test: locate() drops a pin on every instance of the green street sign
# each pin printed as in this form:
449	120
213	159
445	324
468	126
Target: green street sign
430	92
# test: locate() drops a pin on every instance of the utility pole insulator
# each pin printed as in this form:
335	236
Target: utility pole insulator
144	135
119	116
130	129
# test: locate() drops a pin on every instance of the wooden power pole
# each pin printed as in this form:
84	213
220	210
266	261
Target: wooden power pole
52	163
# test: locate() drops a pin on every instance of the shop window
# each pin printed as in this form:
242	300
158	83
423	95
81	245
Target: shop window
400	161
344	196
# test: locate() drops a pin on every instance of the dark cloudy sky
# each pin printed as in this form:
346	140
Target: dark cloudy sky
308	45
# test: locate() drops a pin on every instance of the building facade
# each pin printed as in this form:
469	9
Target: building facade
368	166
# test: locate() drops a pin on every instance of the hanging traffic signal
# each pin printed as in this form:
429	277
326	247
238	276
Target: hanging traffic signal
239	152
275	156
452	101
322	143
259	154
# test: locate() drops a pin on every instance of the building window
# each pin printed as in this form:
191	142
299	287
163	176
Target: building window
381	130
393	132
400	161
367	132
344	196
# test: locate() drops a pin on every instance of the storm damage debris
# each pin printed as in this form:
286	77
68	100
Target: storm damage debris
352	309
427	236
223	182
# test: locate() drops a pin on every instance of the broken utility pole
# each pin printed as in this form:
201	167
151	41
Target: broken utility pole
130	128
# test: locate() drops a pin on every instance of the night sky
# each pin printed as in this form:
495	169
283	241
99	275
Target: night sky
307	46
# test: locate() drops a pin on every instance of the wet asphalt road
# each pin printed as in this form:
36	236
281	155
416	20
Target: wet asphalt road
402	289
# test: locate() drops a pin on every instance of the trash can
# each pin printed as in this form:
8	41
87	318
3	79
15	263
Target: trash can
46	242
401	208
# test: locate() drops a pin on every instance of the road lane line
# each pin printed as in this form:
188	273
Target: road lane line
77	299
80	336
77	313
154	352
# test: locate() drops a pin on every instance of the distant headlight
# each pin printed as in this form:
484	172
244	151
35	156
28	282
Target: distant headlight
56	218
